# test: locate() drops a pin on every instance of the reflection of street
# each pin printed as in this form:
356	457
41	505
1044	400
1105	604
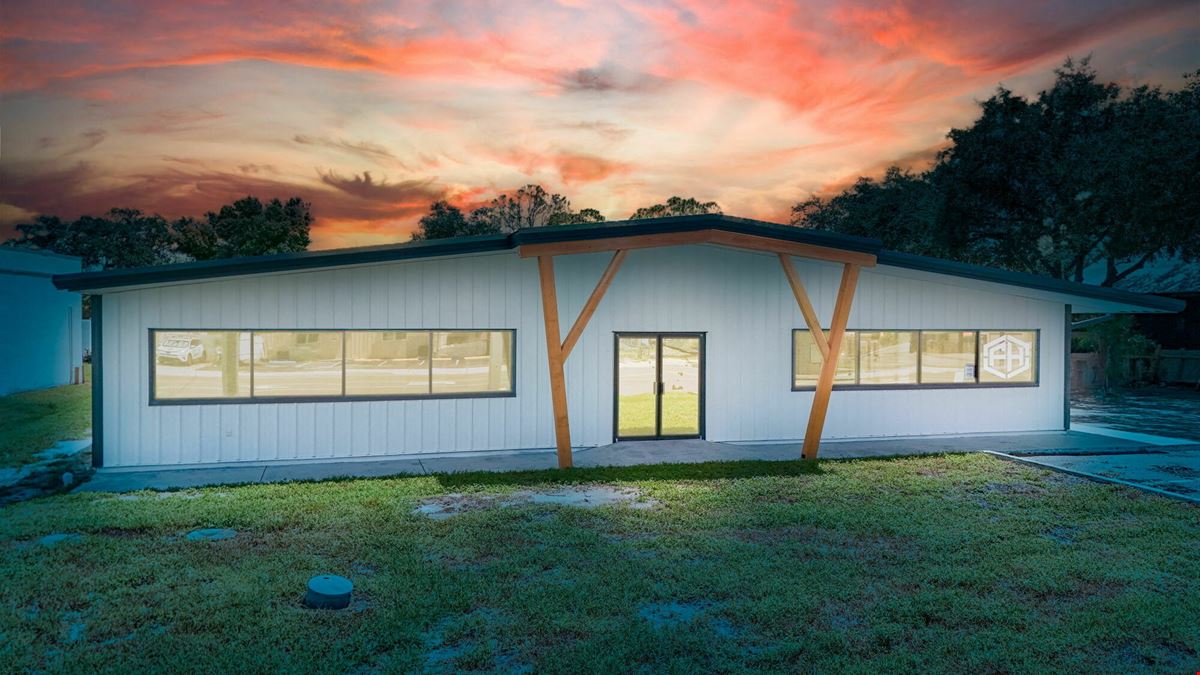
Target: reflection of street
637	377
199	380
324	378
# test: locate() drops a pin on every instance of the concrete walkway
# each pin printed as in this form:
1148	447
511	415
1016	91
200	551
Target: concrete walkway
616	454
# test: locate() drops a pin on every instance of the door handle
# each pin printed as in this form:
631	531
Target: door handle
662	388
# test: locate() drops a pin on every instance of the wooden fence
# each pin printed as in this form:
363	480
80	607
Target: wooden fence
1166	366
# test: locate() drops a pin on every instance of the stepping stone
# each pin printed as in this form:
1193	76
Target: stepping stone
211	534
328	591
57	538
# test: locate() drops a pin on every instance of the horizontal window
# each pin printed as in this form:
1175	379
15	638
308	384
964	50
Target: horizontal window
297	364
808	359
193	364
948	356
1007	356
281	365
915	358
382	363
887	357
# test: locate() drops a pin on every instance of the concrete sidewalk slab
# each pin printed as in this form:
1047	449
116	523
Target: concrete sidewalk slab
170	479
279	473
1149	439
1170	470
616	454
527	460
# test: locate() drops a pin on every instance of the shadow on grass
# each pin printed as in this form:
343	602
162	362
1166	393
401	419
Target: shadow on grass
643	472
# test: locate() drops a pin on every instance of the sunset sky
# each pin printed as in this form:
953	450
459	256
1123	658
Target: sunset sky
371	110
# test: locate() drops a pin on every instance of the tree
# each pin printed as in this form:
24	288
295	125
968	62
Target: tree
529	206
246	227
120	238
580	217
676	206
446	220
130	238
1082	174
901	209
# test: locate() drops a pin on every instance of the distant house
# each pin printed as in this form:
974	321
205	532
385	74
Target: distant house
41	338
708	327
1173	279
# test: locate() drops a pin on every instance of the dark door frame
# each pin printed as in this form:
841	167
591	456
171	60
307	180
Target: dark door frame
658	383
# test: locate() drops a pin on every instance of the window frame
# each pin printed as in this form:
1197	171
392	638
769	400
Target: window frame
154	401
858	386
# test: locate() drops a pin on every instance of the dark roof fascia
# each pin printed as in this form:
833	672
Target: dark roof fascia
624	228
1033	281
291	262
283	262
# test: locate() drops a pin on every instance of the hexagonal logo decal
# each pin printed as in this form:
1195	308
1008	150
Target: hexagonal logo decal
1006	357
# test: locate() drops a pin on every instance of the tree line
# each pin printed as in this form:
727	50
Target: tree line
533	206
1083	173
125	237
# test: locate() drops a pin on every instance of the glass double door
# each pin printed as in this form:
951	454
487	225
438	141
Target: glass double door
659	386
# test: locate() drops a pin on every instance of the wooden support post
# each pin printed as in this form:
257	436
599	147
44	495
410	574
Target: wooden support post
837	330
554	356
806	308
593	301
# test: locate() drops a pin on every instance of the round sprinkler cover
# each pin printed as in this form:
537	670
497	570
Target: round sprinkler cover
328	591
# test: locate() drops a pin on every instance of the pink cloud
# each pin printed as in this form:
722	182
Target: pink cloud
178	107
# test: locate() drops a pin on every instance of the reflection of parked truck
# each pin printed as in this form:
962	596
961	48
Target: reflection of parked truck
182	349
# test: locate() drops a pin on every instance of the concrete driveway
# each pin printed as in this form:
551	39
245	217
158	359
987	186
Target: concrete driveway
1173	471
1168	466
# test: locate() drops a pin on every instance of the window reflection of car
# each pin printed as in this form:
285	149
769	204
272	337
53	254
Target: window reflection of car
183	350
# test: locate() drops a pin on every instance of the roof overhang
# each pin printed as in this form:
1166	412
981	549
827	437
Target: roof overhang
715	229
1083	298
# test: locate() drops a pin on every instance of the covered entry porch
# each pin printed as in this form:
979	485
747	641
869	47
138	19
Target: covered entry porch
558	348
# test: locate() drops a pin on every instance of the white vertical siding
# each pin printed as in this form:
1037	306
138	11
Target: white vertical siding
739	299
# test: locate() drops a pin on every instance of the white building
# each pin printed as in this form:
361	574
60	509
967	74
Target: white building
42	329
570	337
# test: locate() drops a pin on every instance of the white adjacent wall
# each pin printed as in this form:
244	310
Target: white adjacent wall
741	300
42	334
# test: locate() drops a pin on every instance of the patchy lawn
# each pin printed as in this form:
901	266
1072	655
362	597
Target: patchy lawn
958	563
35	420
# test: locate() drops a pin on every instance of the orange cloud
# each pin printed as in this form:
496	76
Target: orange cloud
354	106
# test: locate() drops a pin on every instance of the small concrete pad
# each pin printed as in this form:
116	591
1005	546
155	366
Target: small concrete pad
211	534
52	540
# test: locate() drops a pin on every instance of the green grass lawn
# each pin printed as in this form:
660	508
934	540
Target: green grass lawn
958	563
35	420
680	411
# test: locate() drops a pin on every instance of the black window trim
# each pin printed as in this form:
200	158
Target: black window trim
251	399
857	386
